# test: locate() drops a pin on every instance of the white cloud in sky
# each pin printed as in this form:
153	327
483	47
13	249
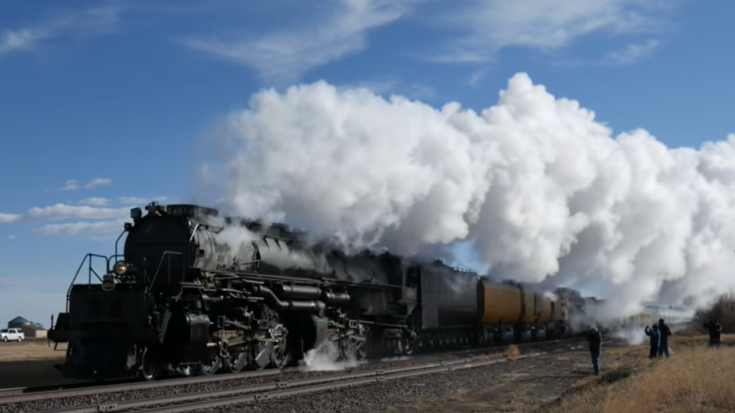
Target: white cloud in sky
8	218
73	184
96	216
11	237
24	39
90	22
94	201
487	26
284	55
74	228
632	53
97	182
63	211
70	185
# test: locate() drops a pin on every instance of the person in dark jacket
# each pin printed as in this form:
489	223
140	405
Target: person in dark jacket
655	340
715	333
595	339
665	332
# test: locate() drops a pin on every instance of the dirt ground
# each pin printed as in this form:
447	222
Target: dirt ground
30	364
538	385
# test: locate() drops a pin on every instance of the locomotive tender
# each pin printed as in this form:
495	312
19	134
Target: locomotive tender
196	293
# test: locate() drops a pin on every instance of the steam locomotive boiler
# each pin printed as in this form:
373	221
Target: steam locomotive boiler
196	293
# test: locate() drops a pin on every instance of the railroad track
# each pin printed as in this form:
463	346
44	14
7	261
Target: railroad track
24	395
217	398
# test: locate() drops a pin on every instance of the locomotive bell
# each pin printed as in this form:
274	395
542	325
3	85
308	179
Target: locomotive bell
108	282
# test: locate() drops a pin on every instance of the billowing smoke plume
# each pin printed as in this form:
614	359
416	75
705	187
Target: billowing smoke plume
546	193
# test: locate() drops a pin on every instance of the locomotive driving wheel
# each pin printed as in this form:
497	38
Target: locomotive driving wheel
261	354
280	354
148	368
237	358
357	348
210	363
409	343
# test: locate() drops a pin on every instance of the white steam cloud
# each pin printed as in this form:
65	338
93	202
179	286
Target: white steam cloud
326	357
546	193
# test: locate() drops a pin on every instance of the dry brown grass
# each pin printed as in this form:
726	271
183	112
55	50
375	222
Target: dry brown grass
694	379
511	352
27	350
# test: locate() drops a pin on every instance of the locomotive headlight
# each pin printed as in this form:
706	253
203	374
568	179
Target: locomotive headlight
120	268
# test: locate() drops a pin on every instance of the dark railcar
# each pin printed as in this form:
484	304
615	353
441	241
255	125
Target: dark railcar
448	303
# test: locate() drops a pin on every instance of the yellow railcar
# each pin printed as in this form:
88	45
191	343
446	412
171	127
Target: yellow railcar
499	303
508	303
509	311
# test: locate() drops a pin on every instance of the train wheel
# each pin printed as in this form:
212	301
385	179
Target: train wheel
261	355
184	371
237	358
148	368
355	348
280	356
361	350
211	364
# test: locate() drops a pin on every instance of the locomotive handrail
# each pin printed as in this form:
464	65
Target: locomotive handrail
160	262
90	272
117	241
113	258
194	232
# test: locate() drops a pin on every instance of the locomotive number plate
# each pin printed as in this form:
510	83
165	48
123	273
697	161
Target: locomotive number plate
181	211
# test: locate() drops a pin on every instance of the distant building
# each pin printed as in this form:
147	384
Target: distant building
34	331
30	329
18	322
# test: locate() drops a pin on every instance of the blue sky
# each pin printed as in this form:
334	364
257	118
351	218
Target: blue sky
102	103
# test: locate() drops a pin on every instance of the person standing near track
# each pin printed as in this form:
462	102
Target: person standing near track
715	333
665	332
595	339
655	340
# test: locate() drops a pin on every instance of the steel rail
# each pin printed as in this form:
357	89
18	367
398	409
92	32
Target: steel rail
26	394
194	401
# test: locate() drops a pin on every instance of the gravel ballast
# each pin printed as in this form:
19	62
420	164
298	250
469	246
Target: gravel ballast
508	386
350	400
96	399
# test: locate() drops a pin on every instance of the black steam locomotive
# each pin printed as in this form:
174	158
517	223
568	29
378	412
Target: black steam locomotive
196	293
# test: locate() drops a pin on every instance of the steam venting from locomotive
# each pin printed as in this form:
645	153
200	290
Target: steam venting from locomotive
543	191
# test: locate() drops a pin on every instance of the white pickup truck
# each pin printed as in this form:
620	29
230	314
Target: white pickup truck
12	334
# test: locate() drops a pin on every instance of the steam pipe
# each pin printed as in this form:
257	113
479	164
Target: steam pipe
306	292
297	306
303	292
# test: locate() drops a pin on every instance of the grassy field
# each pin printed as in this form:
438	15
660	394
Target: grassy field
30	350
694	379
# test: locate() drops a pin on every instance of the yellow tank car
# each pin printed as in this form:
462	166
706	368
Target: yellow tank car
530	314
544	308
499	303
509	304
509	312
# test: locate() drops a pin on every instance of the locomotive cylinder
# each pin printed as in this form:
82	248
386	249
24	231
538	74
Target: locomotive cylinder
281	305
300	292
336	299
305	292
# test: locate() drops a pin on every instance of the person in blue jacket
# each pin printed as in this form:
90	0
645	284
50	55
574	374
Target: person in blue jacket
655	340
